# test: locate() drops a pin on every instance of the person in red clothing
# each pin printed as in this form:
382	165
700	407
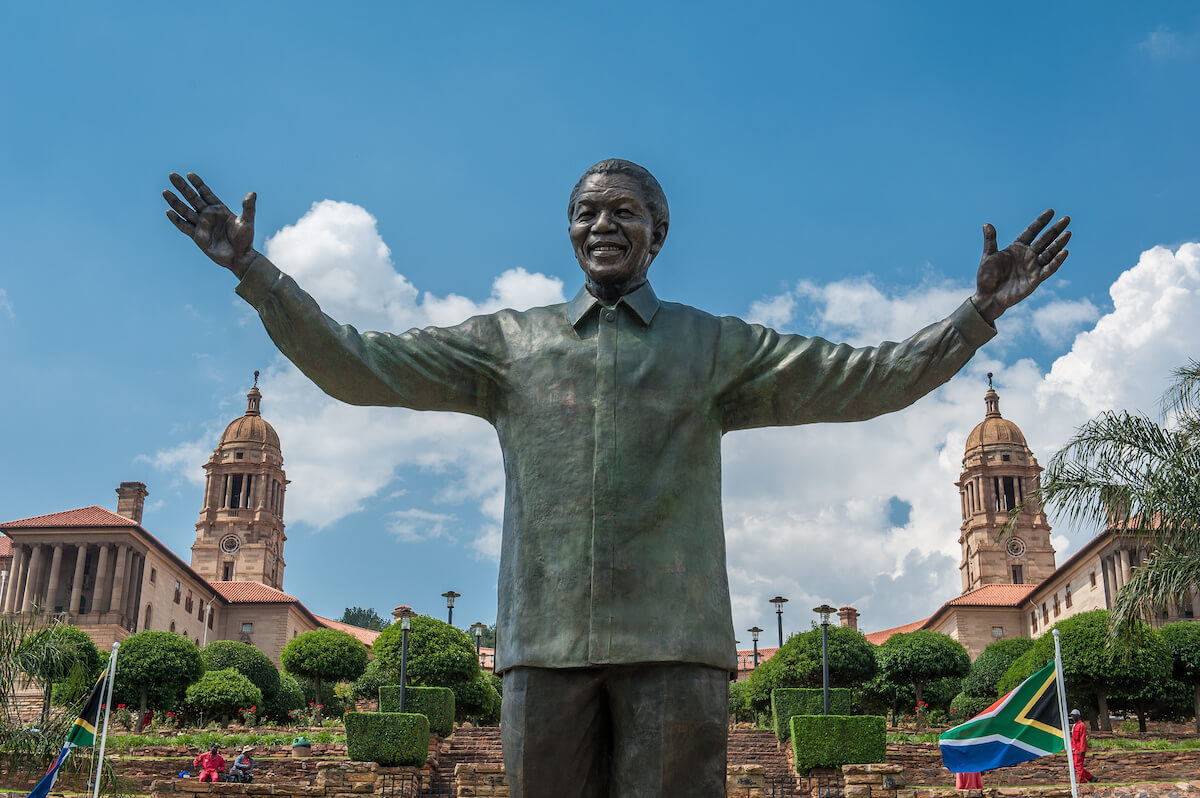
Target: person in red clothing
1079	746
210	764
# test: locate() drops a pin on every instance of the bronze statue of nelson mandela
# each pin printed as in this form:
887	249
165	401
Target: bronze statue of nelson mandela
610	410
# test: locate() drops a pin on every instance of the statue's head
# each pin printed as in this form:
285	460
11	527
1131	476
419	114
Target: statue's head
618	222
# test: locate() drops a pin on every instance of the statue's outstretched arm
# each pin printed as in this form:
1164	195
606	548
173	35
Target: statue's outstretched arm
227	239
1008	275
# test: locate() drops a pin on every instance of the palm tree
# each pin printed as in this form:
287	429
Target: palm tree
1128	473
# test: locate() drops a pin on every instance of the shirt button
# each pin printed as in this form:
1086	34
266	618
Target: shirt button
610	316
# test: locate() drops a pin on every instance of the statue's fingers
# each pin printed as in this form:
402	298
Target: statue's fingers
205	192
1051	233
187	191
1053	265
1050	252
989	240
179	206
1032	230
185	227
248	208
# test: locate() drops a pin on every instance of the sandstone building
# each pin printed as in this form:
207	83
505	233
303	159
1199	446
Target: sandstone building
106	573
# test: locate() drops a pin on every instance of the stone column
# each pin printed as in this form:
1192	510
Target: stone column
31	580
134	583
1195	597
120	575
15	572
77	580
103	584
52	586
22	578
1126	567
227	494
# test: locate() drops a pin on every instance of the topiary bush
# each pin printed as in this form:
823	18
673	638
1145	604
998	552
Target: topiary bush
964	707
389	738
220	694
157	667
435	703
324	655
477	699
789	701
289	697
830	741
247	660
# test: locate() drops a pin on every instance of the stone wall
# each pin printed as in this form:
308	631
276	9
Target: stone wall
890	781
332	780
1109	764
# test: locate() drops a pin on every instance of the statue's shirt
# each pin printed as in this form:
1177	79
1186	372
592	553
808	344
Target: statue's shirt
610	422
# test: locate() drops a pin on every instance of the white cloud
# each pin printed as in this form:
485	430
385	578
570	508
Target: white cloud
1164	44
6	308
1057	322
413	525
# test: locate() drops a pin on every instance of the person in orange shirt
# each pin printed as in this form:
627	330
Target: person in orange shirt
1079	746
210	764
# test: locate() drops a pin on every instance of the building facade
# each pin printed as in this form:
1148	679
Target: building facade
106	573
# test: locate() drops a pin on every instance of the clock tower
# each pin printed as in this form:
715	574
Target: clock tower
999	473
239	536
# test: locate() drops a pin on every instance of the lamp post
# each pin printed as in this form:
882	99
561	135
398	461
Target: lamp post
825	611
450	596
754	632
477	629
403	614
779	601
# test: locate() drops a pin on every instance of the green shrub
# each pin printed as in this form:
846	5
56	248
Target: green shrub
477	699
789	701
830	741
389	738
219	694
964	707
247	660
289	697
435	703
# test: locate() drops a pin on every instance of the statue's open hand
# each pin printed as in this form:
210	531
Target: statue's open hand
227	239
1009	275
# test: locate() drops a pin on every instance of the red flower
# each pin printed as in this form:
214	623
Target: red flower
120	706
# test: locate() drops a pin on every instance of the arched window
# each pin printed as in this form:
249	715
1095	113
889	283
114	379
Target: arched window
172	626
146	622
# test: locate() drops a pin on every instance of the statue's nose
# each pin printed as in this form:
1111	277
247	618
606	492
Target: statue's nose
604	222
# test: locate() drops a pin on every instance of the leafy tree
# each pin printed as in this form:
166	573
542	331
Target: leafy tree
59	653
920	657
439	655
739	705
156	659
289	697
798	664
989	668
366	687
1090	666
325	655
365	618
1125	471
1183	639
221	693
879	696
477	698
246	660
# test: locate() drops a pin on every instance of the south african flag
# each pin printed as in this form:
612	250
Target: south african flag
1023	725
83	732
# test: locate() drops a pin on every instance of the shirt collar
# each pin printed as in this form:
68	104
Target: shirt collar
642	301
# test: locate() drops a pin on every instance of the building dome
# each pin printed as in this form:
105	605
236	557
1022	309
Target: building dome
251	428
994	429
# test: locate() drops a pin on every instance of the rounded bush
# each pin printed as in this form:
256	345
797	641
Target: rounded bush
325	655
222	693
246	660
157	667
289	697
439	655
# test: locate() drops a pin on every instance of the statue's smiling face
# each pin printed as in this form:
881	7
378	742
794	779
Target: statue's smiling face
613	231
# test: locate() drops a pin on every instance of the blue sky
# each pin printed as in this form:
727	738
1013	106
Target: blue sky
828	170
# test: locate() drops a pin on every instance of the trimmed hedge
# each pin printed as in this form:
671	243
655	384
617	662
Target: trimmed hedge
789	701
389	738
830	741
435	703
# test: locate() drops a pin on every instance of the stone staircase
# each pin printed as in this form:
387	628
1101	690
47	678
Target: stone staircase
481	746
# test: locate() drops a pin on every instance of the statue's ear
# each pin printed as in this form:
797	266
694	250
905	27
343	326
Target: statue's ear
660	237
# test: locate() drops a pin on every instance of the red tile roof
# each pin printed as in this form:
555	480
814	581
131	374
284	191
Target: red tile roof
84	516
992	596
877	638
364	636
252	593
6	548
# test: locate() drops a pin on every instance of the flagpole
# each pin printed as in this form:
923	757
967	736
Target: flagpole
1062	713
112	678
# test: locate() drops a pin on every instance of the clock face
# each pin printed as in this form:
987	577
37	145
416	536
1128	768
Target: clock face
1015	547
230	544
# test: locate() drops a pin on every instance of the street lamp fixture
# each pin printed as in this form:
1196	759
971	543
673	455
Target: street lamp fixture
404	614
477	630
450	596
825	611
779	601
754	632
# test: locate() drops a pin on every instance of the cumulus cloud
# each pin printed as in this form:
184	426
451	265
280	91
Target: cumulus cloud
1057	322
809	510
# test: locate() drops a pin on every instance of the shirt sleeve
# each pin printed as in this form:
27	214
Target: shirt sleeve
451	368
775	379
